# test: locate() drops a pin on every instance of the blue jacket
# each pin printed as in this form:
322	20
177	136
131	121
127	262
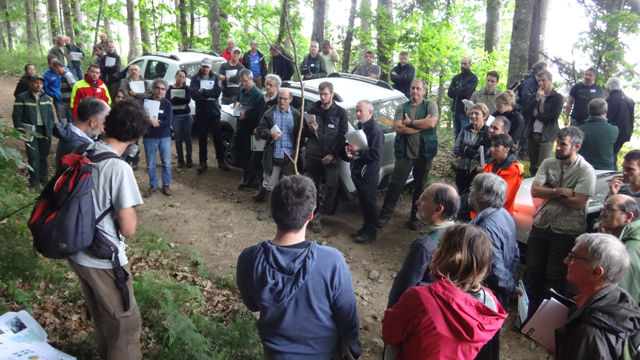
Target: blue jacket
166	118
68	140
501	229
304	294
51	84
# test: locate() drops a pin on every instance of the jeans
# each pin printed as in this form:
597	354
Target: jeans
538	151
37	153
151	147
61	113
401	170
459	121
182	129
315	170
367	188
77	70
205	126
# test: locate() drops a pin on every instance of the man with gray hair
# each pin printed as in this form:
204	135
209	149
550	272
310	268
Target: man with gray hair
599	137
240	146
620	113
403	74
59	50
619	217
564	184
365	171
487	198
605	316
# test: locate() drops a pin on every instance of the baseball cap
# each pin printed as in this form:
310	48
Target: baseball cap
206	62
236	49
36	77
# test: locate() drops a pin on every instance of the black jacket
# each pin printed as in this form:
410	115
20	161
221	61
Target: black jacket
368	161
620	114
467	147
110	74
23	85
246	61
255	113
332	125
207	104
461	87
402	81
68	141
283	65
528	87
552	110
598	329
517	122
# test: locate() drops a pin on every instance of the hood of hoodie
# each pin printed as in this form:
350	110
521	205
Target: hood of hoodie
282	270
631	232
468	319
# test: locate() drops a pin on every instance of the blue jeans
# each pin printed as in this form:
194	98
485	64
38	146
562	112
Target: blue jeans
151	147
77	70
459	121
182	129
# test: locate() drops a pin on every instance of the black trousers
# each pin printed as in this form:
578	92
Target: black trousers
367	188
209	124
401	171
616	149
255	163
464	179
546	251
240	148
37	153
315	170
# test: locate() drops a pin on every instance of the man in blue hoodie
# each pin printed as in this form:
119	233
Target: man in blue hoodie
303	291
85	129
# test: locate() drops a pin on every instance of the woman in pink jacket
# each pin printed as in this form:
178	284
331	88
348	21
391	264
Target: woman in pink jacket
455	316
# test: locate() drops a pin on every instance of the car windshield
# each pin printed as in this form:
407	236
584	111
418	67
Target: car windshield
383	112
193	68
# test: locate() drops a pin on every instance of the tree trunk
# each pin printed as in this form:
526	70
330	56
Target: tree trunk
534	37
492	26
365	25
78	20
145	38
31	40
283	28
384	22
68	24
346	57
61	21
7	24
544	19
3	43
520	34
193	23
182	21
95	34
107	27
440	97
131	31
319	7
214	27
52	15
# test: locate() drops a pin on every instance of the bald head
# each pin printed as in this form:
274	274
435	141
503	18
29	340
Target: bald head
618	212
465	64
438	203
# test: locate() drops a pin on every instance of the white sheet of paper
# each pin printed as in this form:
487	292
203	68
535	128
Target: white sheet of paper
231	73
27	137
109	61
181	93
152	107
257	145
206	84
467	103
542	325
241	110
137	86
481	150
309	118
490	120
358	138
275	128
21	337
75	56
523	303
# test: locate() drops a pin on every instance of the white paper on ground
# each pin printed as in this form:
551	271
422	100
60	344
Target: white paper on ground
137	86
21	337
543	324
257	145
152	107
75	56
467	103
109	61
206	84
523	303
358	138
275	128
180	93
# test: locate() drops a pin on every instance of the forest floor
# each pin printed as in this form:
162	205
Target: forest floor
209	214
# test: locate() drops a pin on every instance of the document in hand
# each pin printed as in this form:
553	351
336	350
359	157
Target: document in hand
206	84
551	314
231	73
109	61
75	56
257	145
21	337
467	103
310	119
180	93
358	138
276	129
481	151
137	86
28	135
152	107
241	110
523	303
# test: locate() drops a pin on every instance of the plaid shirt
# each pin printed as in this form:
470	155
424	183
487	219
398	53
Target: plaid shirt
285	123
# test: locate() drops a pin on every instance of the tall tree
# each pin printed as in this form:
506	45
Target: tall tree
145	39
31	39
492	26
214	28
349	36
384	38
78	20
7	24
365	25
66	14
192	21
182	21
283	19
52	15
319	8
134	52
520	34
538	27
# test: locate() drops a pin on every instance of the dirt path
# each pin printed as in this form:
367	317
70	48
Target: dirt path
208	213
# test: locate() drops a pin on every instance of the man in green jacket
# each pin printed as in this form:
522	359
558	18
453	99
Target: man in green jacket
599	137
619	216
60	51
33	110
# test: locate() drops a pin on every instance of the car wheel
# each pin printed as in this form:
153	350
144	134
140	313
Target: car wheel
225	137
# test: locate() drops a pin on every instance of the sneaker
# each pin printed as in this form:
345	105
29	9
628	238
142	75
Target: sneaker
180	164
189	163
203	166
415	224
152	190
382	221
166	190
358	232
134	166
365	238
223	165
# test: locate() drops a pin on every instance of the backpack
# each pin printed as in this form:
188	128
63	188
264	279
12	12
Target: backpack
517	86
63	220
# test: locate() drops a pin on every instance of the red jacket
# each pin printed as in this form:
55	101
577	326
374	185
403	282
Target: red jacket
440	321
512	172
87	88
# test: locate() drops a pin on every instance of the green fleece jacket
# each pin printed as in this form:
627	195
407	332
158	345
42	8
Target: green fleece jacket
631	238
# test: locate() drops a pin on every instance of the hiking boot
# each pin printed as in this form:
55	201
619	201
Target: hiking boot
180	164
223	165
134	166
383	220
166	190
203	166
152	190
415	224
260	195
267	211
358	232
189	163
365	238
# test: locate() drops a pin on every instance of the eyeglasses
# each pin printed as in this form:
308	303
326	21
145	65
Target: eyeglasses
499	106
572	256
609	209
160	88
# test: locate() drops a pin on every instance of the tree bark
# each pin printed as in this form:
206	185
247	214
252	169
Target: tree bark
68	24
7	24
365	25
78	20
317	32
131	31
214	27
534	37
3	43
492	26
31	40
283	18
52	15
182	19
145	38
384	18
95	34
193	23
520	34
346	57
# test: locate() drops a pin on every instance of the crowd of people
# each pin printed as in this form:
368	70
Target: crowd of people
448	299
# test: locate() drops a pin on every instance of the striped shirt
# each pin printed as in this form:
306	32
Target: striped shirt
284	120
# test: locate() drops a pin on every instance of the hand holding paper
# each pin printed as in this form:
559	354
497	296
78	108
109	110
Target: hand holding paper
358	138
152	107
137	86
109	61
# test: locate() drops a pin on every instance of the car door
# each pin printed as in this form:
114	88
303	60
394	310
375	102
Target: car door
155	69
